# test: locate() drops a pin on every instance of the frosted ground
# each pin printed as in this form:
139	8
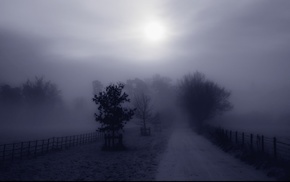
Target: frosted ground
89	162
185	156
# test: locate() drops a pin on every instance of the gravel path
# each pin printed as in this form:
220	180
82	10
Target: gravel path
192	157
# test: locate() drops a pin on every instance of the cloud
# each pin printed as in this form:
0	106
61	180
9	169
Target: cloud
236	43
82	29
226	27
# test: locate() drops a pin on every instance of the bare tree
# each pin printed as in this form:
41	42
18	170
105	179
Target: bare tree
143	108
41	92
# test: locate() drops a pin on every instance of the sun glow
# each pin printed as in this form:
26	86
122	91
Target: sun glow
154	32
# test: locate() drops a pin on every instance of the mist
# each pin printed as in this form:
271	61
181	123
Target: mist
243	48
195	74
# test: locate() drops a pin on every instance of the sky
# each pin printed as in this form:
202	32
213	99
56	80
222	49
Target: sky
242	45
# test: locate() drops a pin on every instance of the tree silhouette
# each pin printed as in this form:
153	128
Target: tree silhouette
202	98
112	114
161	84
143	109
135	87
41	92
163	92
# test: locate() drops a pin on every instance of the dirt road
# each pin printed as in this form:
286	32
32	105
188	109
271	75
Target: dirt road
190	156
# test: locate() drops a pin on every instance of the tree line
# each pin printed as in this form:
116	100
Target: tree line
31	93
147	100
200	98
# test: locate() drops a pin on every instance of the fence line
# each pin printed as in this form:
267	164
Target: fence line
272	146
32	149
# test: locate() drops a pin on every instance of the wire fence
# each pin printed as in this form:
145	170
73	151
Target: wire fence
32	149
278	148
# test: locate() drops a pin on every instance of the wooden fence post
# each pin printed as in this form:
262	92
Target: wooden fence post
42	146
64	142
227	134
251	141
262	143
35	148
106	141
47	147
57	142
53	140
230	135
28	150
121	140
236	136
109	141
4	153
21	150
13	150
68	141
275	146
61	143
243	138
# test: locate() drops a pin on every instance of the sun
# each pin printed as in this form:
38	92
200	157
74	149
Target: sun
154	32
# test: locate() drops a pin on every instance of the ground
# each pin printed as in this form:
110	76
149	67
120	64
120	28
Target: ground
89	162
176	153
190	156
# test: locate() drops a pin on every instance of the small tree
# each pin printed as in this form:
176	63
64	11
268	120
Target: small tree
112	114
143	110
202	99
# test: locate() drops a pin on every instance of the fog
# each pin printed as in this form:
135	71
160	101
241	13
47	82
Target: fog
243	46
